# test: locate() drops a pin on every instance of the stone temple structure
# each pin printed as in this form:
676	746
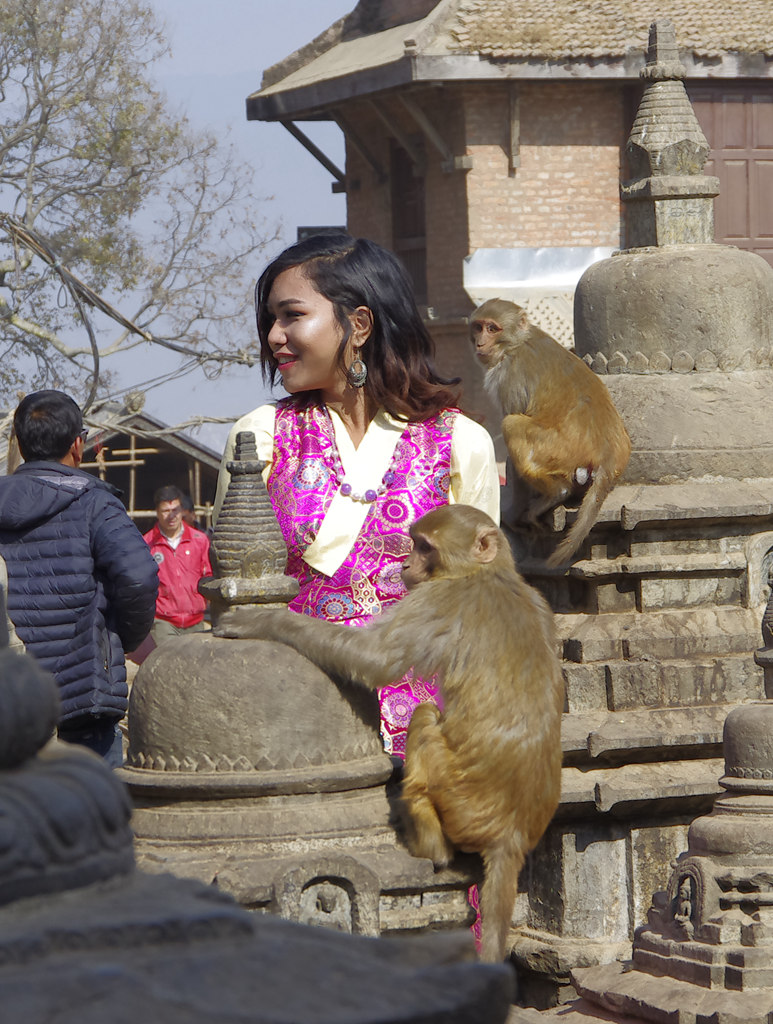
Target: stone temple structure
85	937
705	955
659	615
251	770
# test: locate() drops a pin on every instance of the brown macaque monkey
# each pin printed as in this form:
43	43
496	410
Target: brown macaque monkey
483	774
563	434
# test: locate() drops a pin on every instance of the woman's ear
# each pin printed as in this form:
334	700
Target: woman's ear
362	325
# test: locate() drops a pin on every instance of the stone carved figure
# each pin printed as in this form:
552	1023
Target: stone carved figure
327	905
683	912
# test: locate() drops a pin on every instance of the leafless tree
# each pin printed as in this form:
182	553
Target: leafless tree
157	218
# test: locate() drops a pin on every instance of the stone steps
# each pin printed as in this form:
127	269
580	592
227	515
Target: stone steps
684	563
666	634
667	683
612	790
651	734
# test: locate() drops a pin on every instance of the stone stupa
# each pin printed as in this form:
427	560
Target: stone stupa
659	615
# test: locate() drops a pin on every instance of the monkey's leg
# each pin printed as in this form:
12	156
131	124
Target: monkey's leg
425	752
538	457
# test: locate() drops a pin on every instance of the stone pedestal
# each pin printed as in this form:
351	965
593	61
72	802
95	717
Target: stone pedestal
250	770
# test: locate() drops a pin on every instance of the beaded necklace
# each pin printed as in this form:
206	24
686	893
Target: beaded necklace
371	494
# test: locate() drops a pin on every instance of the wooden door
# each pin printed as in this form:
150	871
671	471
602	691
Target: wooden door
737	120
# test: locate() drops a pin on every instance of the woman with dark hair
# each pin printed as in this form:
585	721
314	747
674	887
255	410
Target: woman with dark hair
368	441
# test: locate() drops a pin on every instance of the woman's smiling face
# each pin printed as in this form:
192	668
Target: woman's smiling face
305	336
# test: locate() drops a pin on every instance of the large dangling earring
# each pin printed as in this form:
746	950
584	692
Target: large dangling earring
357	373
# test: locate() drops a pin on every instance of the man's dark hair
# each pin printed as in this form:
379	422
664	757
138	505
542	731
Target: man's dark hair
187	503
168	493
45	424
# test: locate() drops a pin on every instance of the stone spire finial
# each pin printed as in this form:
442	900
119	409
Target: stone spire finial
662	54
670	199
249	554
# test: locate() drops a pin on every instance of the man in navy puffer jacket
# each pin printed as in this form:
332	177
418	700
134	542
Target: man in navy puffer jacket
82	583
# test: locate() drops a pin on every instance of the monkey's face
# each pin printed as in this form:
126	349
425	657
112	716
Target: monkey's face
420	562
485	334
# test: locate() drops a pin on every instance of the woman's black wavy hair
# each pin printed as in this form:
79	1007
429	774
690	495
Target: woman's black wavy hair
352	272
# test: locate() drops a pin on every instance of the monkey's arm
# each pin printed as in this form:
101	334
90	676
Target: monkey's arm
370	656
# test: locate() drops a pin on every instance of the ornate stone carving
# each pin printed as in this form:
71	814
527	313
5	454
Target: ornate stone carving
705	361
250	766
248	551
710	936
670	199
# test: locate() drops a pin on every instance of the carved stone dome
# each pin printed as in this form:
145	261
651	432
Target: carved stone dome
253	713
748	744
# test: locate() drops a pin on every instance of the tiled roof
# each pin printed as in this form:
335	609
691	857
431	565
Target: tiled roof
555	29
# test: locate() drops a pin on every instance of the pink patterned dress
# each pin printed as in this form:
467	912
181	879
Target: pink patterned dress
302	484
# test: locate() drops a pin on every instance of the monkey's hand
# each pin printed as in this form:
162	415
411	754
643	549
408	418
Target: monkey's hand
341	652
250	623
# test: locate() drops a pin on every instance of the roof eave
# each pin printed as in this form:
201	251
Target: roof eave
316	98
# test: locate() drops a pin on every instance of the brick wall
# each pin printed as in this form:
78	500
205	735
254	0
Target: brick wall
565	191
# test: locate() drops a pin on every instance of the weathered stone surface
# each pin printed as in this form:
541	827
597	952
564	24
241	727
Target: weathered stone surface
239	708
272	783
64	819
667	594
586	687
167	951
693	783
653	850
29	707
667	635
677	431
647	682
633	303
705	952
670	1000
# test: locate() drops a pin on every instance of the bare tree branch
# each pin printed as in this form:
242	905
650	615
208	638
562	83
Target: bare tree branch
130	209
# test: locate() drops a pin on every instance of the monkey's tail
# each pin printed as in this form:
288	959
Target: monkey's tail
501	867
602	484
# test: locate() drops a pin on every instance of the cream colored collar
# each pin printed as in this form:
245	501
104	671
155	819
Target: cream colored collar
364	468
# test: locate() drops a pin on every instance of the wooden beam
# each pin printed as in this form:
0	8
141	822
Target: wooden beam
410	147
449	161
356	142
515	129
317	153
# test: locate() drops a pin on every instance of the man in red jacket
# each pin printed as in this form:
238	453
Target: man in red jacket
182	556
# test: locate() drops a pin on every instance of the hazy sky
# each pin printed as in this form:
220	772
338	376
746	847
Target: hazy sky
219	52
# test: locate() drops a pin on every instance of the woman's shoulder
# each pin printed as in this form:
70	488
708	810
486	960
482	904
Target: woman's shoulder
472	433
260	417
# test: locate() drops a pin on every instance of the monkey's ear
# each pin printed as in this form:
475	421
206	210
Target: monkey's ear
486	545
